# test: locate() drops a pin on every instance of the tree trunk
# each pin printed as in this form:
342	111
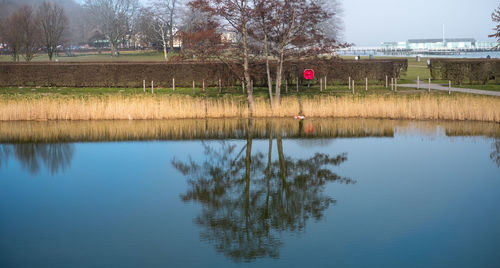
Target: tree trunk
251	105
50	52
279	74
268	70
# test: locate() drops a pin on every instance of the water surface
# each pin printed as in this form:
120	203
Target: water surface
237	193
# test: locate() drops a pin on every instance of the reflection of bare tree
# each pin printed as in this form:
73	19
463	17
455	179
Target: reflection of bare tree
55	156
249	199
495	155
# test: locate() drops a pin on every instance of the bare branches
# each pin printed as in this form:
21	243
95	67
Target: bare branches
495	17
114	18
53	25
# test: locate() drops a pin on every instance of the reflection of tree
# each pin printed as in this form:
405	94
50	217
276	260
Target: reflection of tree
56	156
248	199
495	155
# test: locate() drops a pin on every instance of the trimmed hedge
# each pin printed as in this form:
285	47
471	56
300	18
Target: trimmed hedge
132	74
459	71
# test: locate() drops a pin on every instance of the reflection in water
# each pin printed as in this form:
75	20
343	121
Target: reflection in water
495	155
248	198
55	156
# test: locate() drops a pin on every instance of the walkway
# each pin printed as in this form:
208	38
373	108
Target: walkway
453	89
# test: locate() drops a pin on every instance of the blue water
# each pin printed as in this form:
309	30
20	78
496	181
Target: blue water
413	199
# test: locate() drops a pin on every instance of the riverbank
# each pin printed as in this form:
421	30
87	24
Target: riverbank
150	107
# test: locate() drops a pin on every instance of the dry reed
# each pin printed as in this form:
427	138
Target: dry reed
415	107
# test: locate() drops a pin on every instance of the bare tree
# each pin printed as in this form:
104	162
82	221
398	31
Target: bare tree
235	15
53	26
199	33
114	18
160	19
28	28
495	17
294	28
12	36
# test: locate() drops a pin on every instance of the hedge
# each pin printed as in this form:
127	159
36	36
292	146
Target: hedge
459	71
132	74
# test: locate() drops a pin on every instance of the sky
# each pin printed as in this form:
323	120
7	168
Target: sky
370	22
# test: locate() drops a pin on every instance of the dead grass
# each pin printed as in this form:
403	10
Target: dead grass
415	107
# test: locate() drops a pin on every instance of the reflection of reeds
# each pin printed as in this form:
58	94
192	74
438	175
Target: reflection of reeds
423	107
121	130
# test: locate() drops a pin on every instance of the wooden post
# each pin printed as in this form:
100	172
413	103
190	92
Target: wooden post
429	85
418	82
286	86
449	87
144	85
220	86
366	82
326	85
386	81
203	85
321	84
349	82
173	84
392	84
396	87
152	87
194	91
243	86
353	87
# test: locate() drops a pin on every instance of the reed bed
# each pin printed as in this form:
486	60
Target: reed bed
415	107
204	129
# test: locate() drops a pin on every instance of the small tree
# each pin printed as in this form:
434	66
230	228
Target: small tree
199	34
114	18
495	17
53	26
12	36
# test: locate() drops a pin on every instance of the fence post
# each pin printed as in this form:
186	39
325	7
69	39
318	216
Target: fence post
386	81
353	87
392	84
220	86
321	84
429	85
144	85
326	85
152	87
349	82
418	82
449	87
173	84
286	86
396	87
366	82
194	91
243	86
203	85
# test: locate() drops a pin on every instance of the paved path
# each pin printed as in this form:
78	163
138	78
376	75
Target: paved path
454	89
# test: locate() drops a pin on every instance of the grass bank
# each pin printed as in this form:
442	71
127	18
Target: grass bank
147	107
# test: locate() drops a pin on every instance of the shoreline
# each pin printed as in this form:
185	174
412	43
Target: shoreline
456	107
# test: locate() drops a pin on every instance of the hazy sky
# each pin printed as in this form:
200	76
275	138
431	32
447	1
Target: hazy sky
370	22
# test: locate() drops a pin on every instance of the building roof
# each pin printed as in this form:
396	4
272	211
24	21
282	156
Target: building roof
412	41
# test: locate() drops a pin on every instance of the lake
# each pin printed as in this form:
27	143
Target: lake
241	193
